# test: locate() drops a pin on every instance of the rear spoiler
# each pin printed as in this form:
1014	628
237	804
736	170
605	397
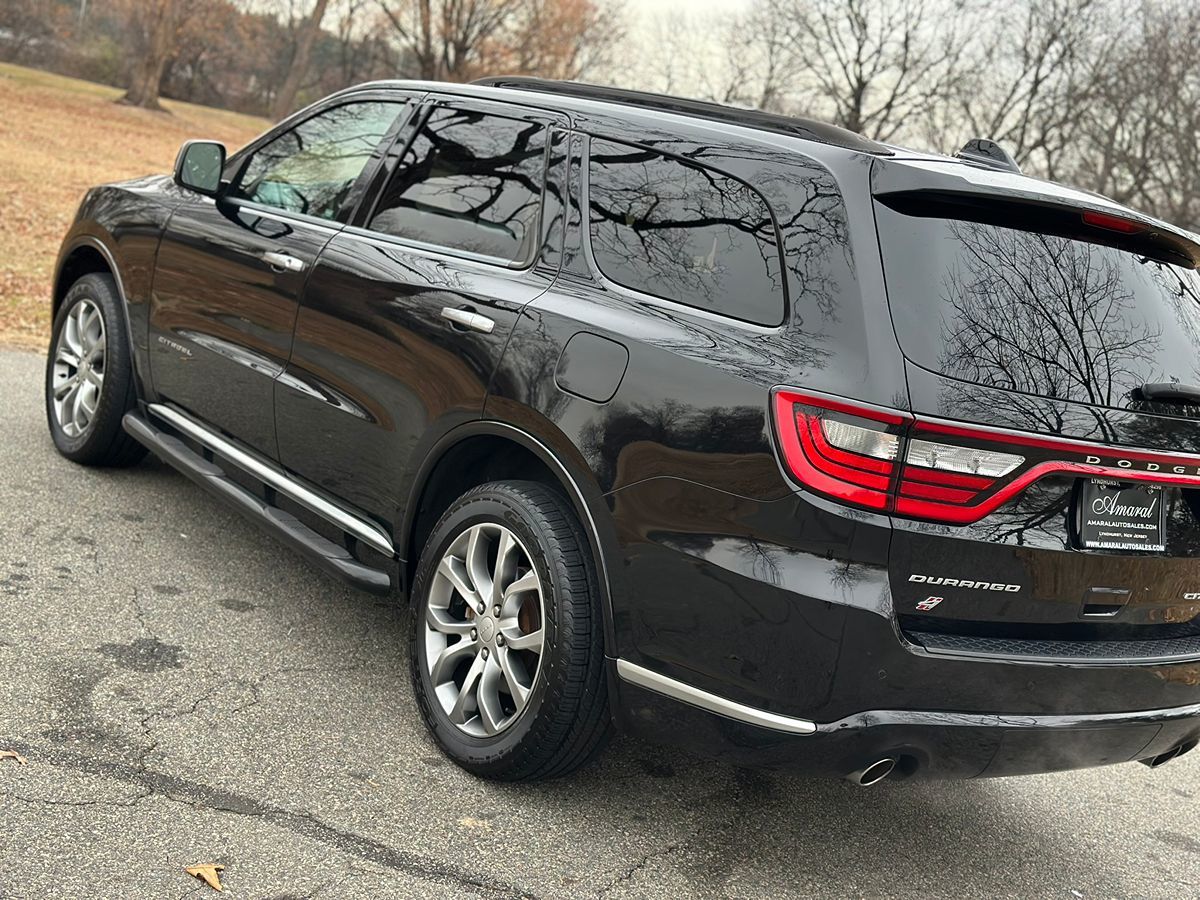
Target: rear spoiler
944	190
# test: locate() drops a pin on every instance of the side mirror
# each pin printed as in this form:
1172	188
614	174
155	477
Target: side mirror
199	165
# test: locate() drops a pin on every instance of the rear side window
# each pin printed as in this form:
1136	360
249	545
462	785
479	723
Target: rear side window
468	181
1038	313
311	168
684	232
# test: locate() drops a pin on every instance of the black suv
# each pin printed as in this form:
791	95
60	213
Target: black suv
739	431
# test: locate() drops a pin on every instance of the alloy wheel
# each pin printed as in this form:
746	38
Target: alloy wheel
78	376
484	630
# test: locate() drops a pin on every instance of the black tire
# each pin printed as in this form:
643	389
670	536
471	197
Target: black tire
566	719
104	441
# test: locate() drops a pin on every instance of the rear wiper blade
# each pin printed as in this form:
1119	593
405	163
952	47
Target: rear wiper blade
1167	391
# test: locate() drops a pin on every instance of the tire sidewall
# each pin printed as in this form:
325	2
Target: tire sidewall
480	754
115	393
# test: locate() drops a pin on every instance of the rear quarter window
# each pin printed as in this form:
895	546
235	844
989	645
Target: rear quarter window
683	232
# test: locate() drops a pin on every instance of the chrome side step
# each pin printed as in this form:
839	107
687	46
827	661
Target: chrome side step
332	558
678	690
272	475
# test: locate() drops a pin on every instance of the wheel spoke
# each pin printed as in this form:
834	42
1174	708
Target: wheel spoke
65	355
447	661
455	571
531	641
504	550
488	697
441	621
94	378
65	387
77	408
527	582
476	560
515	677
467	701
89	395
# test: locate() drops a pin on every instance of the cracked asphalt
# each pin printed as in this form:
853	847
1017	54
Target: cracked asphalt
186	691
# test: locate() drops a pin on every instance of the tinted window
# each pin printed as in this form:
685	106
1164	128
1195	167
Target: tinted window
469	181
311	168
1038	313
684	233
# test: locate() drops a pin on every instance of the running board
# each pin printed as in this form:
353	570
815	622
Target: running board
332	558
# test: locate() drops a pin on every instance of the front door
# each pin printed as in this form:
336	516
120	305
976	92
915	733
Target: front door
230	272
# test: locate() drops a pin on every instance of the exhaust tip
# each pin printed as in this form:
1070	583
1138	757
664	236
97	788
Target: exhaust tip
874	773
1163	758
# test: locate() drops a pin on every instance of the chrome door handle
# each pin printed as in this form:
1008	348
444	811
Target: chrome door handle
471	320
283	262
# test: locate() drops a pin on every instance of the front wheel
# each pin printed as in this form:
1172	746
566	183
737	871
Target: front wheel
506	645
89	377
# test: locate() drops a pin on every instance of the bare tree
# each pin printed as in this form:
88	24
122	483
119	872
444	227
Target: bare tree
877	66
441	36
1032	76
1136	140
285	100
155	25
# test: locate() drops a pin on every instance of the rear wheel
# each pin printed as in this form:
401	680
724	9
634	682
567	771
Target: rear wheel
507	648
89	377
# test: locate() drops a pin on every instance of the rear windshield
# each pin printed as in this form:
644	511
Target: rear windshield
1038	313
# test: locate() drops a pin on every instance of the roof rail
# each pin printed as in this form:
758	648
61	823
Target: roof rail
716	112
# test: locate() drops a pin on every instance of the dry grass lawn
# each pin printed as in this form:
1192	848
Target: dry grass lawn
58	137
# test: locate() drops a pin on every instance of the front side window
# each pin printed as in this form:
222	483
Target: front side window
469	181
311	168
684	232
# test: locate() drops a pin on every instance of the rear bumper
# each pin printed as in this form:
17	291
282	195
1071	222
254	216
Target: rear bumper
933	745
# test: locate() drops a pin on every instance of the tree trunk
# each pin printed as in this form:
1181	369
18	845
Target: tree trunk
146	81
285	100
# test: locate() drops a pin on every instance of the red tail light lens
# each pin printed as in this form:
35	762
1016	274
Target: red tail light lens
846	451
950	472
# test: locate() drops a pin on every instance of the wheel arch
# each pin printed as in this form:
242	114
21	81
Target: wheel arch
86	255
487	450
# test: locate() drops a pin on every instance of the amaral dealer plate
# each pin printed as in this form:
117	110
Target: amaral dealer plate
1121	516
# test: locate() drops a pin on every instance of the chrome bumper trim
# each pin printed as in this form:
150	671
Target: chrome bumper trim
677	690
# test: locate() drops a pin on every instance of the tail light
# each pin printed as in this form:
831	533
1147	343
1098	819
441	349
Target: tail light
843	450
951	472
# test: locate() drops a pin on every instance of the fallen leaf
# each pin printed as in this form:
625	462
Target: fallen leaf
13	754
468	822
207	872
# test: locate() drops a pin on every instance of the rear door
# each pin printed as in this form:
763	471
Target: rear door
1053	486
409	309
229	272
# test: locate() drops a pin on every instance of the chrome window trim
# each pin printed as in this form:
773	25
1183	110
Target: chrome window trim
678	690
429	251
282	216
276	478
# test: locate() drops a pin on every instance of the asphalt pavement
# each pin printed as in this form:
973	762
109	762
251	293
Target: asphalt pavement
185	691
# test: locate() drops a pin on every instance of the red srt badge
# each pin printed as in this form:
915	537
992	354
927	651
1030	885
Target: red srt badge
928	603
